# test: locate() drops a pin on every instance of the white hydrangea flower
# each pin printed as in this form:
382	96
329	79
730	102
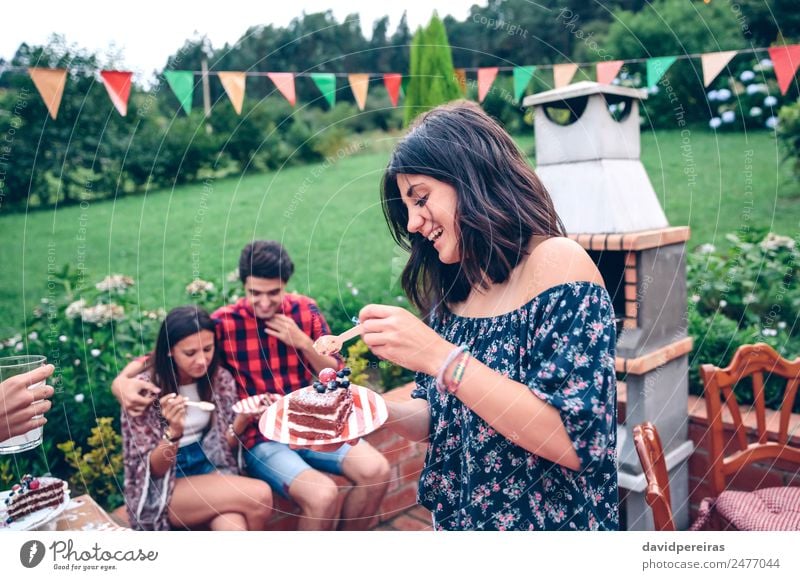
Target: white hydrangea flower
747	76
765	63
79	398
782	325
19	346
770	101
773	242
199	286
33	335
715	122
75	309
755	111
62	338
712	95
749	298
728	117
354	291
13	340
771	122
89	341
723	94
95	352
115	282
77	362
103	313
723	303
706	249
233	276
769	332
757	88
695	298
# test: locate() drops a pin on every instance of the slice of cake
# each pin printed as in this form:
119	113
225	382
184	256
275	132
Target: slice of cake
32	494
321	411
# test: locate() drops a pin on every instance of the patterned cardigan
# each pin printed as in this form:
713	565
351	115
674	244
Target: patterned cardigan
147	497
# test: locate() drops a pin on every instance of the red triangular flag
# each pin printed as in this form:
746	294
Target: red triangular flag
392	82
486	77
50	84
118	86
785	59
285	84
608	70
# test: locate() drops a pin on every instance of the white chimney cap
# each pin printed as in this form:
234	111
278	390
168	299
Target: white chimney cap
582	89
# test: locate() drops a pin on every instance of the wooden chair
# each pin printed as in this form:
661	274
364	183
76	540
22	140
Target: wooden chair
651	456
776	508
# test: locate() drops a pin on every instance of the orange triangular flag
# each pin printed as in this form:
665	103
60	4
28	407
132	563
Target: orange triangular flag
785	59
563	73
50	84
461	78
608	70
118	86
392	82
359	84
233	83
713	63
285	83
486	77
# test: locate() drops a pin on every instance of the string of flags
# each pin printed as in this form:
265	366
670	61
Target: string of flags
50	83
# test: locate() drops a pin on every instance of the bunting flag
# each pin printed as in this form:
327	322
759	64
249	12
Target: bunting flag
656	67
326	83
118	86
608	70
50	84
461	79
182	84
285	83
404	85
522	78
785	59
563	73
392	82
234	83
486	77
713	63
359	84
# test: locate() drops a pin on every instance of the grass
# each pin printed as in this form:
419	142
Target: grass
329	218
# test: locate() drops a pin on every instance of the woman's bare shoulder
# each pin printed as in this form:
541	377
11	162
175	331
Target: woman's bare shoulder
556	261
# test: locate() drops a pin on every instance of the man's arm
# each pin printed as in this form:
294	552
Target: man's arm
285	329
134	395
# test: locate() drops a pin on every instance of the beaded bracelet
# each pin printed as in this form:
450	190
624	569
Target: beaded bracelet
440	386
458	373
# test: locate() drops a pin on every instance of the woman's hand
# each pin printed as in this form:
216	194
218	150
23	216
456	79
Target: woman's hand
396	335
21	408
173	408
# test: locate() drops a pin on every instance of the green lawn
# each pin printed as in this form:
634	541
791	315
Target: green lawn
329	218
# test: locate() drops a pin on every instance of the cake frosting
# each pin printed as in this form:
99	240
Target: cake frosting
321	411
32	494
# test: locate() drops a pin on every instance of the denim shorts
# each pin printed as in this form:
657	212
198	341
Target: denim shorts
279	465
192	460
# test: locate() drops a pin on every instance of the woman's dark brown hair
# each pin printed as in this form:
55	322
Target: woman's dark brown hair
500	203
181	322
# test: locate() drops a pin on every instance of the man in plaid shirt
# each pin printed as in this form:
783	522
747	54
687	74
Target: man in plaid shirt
266	341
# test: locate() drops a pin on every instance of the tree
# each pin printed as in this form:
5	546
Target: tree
433	80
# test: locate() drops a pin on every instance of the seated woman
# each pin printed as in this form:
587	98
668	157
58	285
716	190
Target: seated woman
180	471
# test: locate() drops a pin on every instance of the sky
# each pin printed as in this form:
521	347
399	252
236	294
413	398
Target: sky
146	32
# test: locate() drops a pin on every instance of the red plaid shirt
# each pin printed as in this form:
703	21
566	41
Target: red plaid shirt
261	363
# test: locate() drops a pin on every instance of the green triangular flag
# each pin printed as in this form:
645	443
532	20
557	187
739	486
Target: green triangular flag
326	83
522	77
182	84
404	84
656	67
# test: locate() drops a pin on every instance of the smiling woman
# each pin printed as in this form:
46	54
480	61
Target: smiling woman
516	391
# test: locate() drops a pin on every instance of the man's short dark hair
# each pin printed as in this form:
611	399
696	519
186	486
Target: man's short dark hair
265	259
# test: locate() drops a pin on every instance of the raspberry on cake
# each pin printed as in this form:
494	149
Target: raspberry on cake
32	494
322	410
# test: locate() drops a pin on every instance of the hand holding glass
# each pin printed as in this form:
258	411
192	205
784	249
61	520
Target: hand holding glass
23	401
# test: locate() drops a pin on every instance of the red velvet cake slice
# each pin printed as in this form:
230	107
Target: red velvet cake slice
320	412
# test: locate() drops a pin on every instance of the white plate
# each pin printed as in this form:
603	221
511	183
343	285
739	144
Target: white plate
35	519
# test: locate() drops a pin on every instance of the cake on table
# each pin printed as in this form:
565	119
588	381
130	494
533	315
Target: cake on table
321	411
32	494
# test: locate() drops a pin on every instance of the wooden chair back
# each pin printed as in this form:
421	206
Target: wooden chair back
651	456
751	360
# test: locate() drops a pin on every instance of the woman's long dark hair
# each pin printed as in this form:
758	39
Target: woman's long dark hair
182	322
501	203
